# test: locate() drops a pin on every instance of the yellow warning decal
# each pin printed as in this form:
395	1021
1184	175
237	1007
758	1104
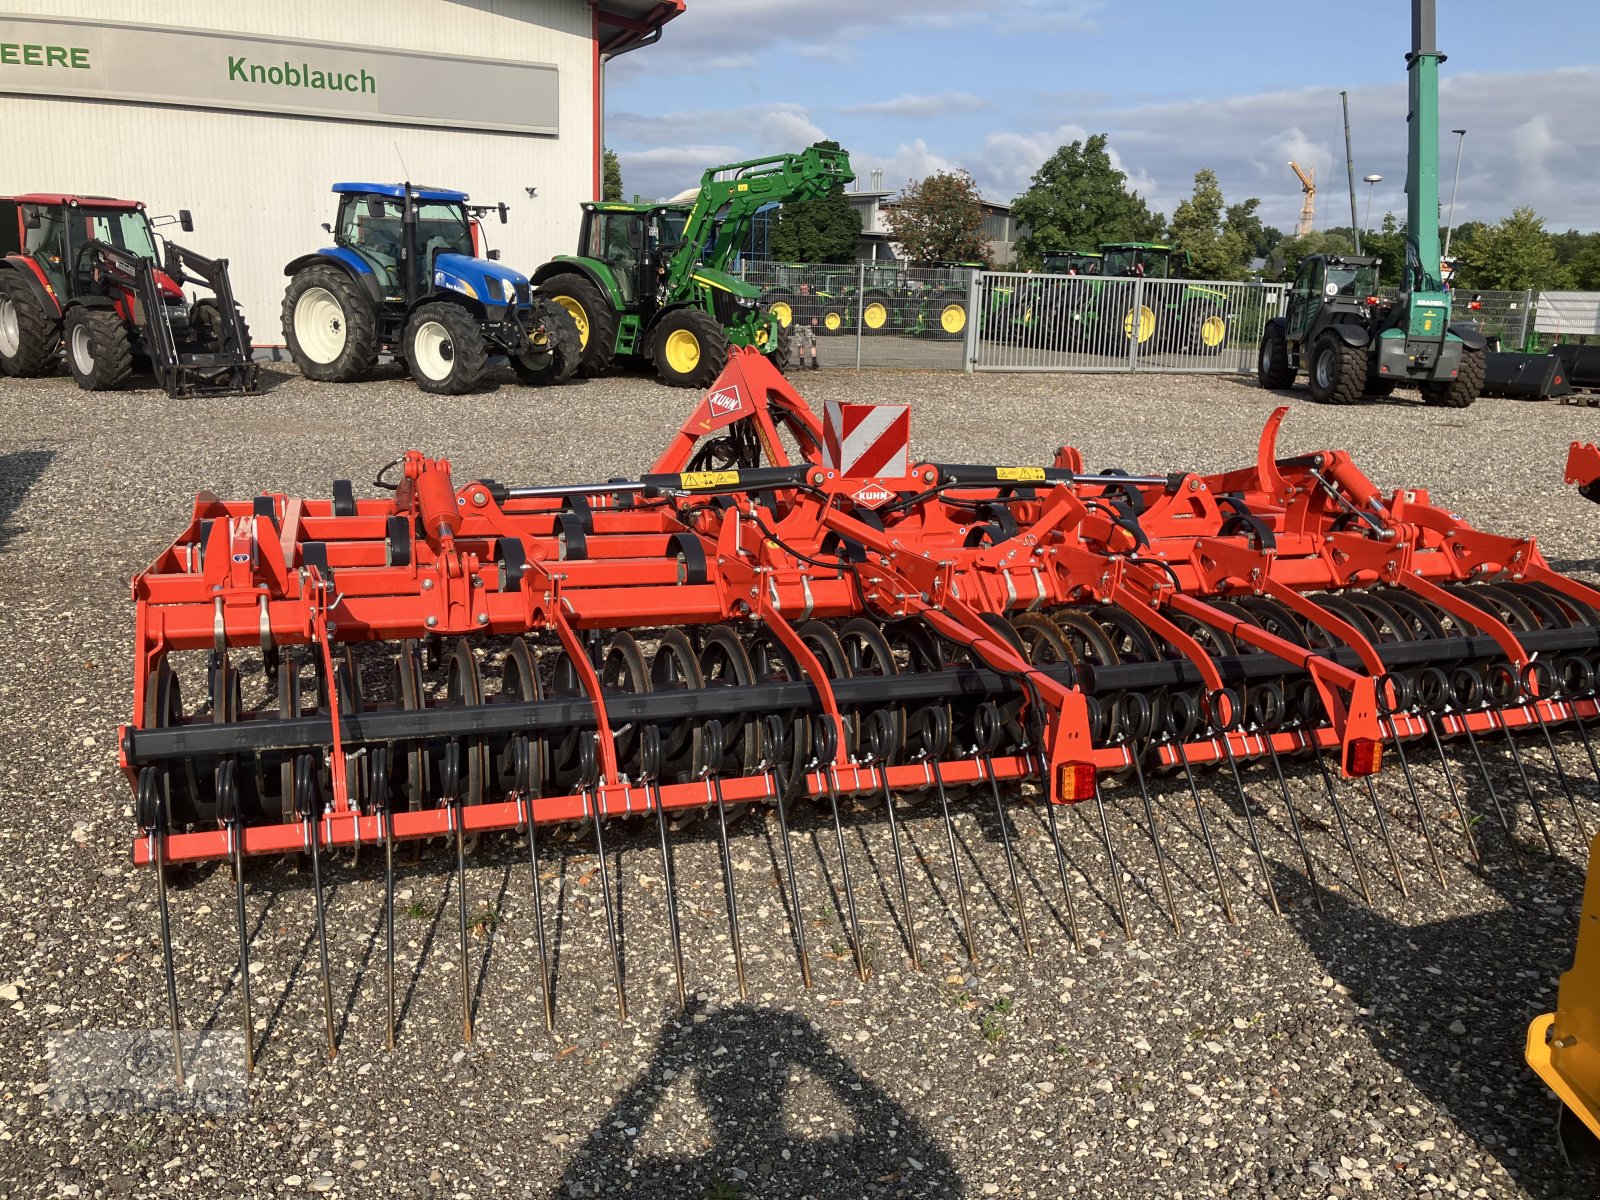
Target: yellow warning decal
695	480
1020	474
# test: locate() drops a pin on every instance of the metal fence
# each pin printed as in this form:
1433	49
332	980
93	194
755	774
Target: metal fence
1029	322
1505	318
872	315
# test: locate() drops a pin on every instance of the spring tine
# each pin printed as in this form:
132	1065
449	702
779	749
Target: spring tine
1527	787
611	916
1011	862
1455	795
1113	864
1416	803
538	922
322	934
733	899
955	862
1583	735
1294	821
844	873
1561	771
672	896
1155	839
900	875
1061	863
388	908
1494	794
1205	831
794	887
1383	828
149	779
1250	820
461	920
1344	826
228	799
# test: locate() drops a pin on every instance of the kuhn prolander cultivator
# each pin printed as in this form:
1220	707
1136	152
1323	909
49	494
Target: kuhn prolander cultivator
747	627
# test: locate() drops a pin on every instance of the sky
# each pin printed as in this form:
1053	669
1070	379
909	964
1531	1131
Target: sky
915	86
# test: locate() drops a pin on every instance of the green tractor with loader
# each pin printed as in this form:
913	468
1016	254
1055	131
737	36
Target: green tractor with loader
1349	340
651	282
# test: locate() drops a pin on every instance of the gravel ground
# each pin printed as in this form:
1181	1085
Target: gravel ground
1352	1050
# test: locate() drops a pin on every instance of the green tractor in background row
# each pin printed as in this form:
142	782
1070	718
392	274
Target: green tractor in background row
1193	319
651	282
1350	342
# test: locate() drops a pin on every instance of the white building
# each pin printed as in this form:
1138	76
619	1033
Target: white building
249	126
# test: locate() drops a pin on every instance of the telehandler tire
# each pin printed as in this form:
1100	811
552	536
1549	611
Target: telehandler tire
1464	388
1337	371
1273	368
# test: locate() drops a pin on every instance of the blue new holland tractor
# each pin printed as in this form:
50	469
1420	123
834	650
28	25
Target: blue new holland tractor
405	277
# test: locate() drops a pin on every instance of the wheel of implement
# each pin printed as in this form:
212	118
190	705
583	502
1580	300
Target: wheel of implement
723	662
785	740
622	669
675	667
1337	371
463	686
30	344
445	348
519	682
592	313
867	652
99	354
916	649
1273	368
689	348
408	688
329	326
163	706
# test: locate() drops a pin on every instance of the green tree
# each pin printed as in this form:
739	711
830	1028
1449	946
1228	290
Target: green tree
1244	219
1078	199
1585	269
1512	254
940	219
1388	244
1199	226
824	230
611	176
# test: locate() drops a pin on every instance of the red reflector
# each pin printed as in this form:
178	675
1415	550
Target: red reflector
1075	782
1363	757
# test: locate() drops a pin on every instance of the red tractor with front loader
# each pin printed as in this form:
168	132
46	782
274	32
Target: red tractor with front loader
88	275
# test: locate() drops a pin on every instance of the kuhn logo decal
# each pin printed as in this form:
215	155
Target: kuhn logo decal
874	495
725	402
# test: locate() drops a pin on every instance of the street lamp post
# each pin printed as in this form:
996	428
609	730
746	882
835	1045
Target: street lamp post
1366	222
1461	139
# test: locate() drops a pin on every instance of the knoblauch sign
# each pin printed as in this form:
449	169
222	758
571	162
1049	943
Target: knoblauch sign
200	68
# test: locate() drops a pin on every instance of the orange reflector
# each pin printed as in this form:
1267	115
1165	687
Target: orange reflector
1075	782
1363	757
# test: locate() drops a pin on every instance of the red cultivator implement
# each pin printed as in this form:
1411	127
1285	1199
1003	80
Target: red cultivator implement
747	626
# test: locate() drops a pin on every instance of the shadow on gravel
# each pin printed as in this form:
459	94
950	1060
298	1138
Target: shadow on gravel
19	471
1492	972
786	1115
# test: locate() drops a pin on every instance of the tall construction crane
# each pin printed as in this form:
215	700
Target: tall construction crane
1308	210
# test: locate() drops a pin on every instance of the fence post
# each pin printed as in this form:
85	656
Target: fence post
974	292
861	303
1134	313
1527	309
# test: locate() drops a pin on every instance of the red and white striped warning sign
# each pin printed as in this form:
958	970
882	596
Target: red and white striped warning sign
867	439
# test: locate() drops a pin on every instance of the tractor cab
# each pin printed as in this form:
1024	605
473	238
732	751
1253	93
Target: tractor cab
1332	289
402	247
1153	260
55	234
1073	262
633	241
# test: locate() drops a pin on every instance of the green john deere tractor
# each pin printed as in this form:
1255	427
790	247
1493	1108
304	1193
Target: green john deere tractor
1351	343
651	282
1193	319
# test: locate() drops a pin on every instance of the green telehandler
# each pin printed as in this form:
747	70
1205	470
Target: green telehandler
651	282
1351	342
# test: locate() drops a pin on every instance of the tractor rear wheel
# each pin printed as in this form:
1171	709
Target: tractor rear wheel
329	326
29	343
948	316
99	354
1273	368
1464	388
1210	332
592	313
559	349
1338	371
689	348
445	348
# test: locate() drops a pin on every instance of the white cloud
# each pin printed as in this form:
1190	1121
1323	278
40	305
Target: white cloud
921	107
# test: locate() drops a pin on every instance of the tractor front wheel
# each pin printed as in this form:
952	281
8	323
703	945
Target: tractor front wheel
780	302
689	348
99	354
558	348
1464	388
29	343
1338	372
445	348
949	316
330	328
593	314
876	312
205	319
1273	368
